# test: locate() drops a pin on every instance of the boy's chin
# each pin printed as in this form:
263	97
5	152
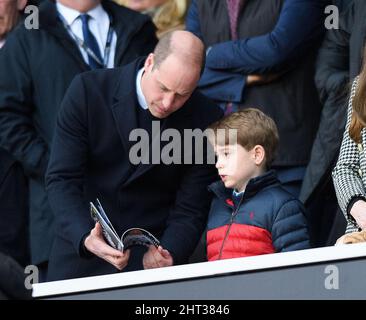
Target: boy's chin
229	185
233	186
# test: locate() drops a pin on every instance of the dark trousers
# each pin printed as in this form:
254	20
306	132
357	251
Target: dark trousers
42	272
14	211
12	280
326	221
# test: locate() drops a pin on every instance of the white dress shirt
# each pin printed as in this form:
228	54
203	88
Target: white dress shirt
2	42
237	193
140	96
98	25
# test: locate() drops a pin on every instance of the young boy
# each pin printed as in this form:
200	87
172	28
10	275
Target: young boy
251	213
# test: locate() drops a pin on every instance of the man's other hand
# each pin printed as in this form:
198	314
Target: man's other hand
157	258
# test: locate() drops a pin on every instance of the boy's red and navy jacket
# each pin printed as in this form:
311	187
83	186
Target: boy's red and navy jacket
265	219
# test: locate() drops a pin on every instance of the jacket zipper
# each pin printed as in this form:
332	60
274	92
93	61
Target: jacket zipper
233	214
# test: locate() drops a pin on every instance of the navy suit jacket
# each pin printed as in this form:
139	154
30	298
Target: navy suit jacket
90	159
36	68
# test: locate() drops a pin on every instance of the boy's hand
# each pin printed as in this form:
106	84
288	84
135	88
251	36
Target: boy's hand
95	243
157	258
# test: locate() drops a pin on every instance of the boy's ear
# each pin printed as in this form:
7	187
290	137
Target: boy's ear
259	155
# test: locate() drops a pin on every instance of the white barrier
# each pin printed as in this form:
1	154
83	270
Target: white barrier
251	265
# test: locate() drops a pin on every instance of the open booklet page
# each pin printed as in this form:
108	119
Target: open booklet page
131	237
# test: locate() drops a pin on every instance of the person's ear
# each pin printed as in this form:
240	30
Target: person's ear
258	154
21	4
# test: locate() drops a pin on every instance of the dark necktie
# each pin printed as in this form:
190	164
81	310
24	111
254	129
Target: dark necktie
90	42
234	7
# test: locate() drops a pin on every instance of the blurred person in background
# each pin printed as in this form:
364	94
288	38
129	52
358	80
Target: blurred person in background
349	174
10	12
339	62
37	66
14	220
167	15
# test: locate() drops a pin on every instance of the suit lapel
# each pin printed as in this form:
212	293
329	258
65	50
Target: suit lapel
125	116
178	121
51	23
124	109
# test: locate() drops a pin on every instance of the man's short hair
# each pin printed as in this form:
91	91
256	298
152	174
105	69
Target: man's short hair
253	128
165	48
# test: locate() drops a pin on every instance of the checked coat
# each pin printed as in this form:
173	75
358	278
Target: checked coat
349	175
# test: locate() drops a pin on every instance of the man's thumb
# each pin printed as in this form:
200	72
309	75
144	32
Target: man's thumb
98	228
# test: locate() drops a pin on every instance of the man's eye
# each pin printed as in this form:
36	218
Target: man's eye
182	96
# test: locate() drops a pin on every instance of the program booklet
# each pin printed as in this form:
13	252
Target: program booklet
131	237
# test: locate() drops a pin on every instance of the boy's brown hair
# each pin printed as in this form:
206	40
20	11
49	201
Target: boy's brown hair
253	128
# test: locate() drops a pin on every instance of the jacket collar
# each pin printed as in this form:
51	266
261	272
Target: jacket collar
50	22
254	186
49	16
125	101
124	29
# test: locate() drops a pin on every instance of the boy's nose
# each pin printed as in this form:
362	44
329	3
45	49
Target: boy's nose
218	164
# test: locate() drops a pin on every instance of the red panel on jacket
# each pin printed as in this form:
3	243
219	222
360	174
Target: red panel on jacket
242	241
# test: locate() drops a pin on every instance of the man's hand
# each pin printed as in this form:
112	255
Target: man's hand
95	243
358	211
157	258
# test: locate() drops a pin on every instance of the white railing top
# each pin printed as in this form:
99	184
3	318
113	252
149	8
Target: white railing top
198	270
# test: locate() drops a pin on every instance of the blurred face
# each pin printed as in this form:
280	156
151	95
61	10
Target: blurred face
9	14
167	87
80	5
142	5
236	166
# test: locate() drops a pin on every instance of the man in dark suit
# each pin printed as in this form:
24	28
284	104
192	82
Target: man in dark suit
14	238
38	65
91	157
